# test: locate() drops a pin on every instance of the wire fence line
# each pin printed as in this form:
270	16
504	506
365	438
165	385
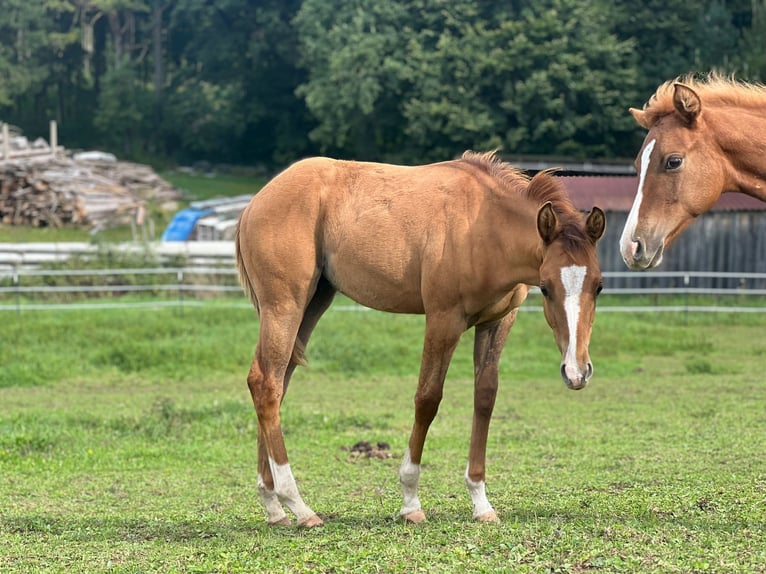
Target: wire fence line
36	289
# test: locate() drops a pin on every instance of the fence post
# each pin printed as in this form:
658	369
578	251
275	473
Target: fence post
180	277
54	131
18	292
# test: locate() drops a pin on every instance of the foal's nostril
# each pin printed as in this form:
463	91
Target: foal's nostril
589	374
639	249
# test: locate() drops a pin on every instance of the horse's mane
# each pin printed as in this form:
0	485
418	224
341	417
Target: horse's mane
714	88
541	188
488	162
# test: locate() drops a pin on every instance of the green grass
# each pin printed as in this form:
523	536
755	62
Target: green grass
127	444
197	187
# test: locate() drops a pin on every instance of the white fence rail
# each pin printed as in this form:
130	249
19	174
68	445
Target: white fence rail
23	289
29	256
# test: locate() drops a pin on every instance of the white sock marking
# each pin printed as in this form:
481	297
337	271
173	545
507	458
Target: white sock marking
409	475
478	494
573	278
626	240
271	502
287	490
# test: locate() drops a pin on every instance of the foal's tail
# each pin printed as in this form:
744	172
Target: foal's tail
299	348
244	280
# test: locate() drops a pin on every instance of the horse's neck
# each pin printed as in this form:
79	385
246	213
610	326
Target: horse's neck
745	146
518	240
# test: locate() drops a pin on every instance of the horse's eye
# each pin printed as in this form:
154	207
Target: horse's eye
599	289
674	162
544	291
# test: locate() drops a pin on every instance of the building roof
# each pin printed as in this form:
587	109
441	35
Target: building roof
616	193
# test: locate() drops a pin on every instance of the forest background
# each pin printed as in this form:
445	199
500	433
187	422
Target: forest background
264	82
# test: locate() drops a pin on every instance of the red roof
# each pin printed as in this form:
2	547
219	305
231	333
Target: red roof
616	193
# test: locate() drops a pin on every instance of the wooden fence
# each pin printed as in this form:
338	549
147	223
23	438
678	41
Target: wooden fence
10	151
721	241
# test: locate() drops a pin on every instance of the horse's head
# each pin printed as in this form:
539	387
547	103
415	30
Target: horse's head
681	174
570	281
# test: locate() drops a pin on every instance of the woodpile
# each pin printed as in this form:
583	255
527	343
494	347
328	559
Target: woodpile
90	189
26	199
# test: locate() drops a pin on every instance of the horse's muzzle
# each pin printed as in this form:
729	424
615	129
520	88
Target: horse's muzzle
579	380
639	255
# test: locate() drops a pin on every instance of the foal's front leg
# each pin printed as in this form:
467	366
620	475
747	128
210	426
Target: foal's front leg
488	345
441	337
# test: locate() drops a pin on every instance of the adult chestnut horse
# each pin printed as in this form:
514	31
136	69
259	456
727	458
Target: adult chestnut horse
459	241
706	137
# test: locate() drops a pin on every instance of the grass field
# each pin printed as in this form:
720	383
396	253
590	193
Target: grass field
198	187
127	444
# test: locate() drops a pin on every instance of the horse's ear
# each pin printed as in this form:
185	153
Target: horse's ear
595	224
546	223
686	102
640	117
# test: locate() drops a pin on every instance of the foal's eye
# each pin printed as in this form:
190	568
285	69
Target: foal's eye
599	289
544	291
674	162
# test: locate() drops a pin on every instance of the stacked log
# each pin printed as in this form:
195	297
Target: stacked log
27	199
90	191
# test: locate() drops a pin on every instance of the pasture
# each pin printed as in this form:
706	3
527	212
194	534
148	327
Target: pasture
127	444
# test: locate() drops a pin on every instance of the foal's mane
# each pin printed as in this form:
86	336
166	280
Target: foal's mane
541	188
714	88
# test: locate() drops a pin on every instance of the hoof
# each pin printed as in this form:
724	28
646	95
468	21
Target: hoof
310	522
490	516
415	517
284	521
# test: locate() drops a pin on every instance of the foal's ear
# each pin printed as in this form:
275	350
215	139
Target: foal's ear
686	102
546	222
640	117
595	224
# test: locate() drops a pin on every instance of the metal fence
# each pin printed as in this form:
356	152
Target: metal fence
624	291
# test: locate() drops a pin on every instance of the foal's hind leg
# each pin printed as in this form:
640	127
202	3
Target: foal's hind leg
319	303
488	345
266	383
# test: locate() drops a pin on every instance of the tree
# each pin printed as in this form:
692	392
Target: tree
124	111
662	30
543	77
354	54
267	81
754	44
716	39
567	81
233	82
34	40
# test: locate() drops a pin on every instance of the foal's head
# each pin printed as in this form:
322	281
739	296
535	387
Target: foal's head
570	280
682	165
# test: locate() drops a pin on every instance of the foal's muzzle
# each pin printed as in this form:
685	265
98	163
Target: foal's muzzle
638	254
579	380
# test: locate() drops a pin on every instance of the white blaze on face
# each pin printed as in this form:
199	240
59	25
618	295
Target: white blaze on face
573	278
627	245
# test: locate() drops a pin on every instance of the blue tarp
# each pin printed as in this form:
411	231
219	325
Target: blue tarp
182	224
